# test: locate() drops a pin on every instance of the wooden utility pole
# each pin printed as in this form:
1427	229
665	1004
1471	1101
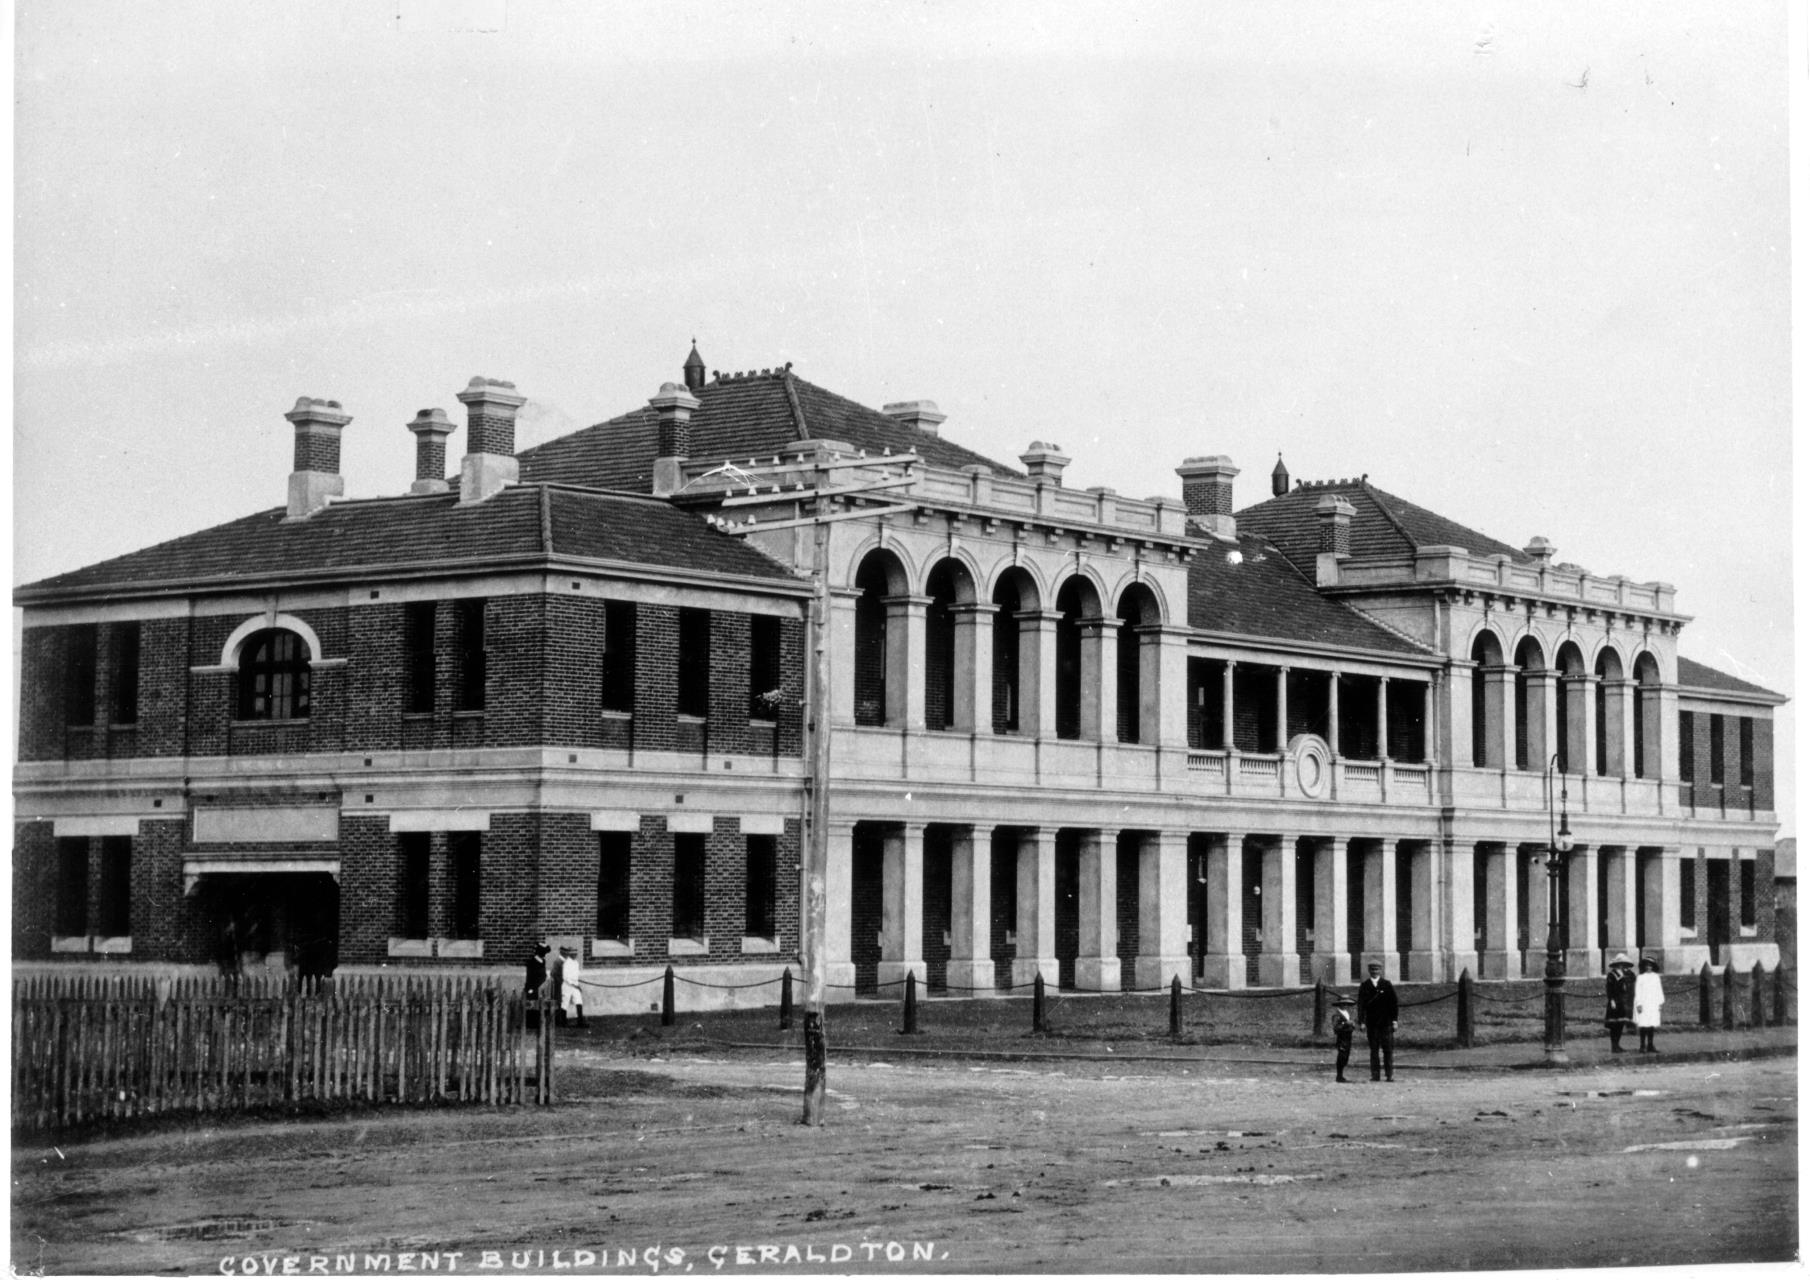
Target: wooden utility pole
817	842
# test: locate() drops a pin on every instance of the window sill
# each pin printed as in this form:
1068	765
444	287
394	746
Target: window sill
461	949
612	713
1686	933
79	943
604	947
123	725
1750	931
470	713
760	946
116	946
411	946
688	946
686	717
417	715
291	723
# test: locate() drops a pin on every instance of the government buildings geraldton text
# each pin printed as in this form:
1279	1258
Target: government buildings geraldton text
566	695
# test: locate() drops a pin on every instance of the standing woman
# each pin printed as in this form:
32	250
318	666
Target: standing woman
1649	995
1618	988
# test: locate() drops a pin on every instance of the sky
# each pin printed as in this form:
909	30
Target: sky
1526	265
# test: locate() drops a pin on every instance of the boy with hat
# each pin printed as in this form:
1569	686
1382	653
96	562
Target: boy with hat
1618	989
1342	1028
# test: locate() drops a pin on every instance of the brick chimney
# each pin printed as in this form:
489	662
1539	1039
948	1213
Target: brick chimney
1045	462
431	427
1207	493
922	414
673	406
316	480
489	461
1333	514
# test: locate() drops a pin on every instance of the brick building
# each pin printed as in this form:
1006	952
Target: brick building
1099	738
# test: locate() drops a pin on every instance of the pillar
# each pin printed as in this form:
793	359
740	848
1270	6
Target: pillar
973	709
1278	963
1582	956
1224	957
1379	908
1382	718
1097	961
1225	699
1036	908
1037	674
1423	911
1580	726
1332	741
1659	904
905	623
1163	908
1539	906
1100	679
1163	686
1618	715
1282	708
1542	717
1623	898
1498	720
1501	954
1627	727
902	902
970	913
842	654
1331	957
839	895
1459	899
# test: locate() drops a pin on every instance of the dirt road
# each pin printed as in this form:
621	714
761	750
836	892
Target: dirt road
698	1165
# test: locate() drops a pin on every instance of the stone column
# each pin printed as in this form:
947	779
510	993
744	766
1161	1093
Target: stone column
1498	717
1623	897
1627	727
1099	679
1667	745
1460	941
1037	674
902	903
1501	955
842	654
1225	698
905	623
1278	963
1382	718
1163	686
1659	904
1423	911
1580	728
1332	719
1582	956
1542	717
1617	715
970	913
839	893
1281	708
1379	908
1224	956
1036	908
1163	909
1539	907
973	709
1097	961
1331	958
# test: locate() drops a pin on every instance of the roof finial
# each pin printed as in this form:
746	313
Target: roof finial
694	369
1278	478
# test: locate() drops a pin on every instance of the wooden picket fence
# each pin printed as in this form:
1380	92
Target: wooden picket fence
87	1048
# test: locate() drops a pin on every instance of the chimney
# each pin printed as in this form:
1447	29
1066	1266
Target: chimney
1045	462
1333	514
489	461
674	406
1538	549
431	427
1207	493
921	414
316	480
694	369
1278	479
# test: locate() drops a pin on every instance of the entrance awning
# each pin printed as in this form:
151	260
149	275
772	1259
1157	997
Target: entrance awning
193	868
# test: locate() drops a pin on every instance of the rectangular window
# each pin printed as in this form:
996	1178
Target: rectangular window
763	862
1749	892
763	668
412	848
1687	893
418	659
619	655
116	888
463	853
125	673
1687	747
470	615
694	662
688	886
72	886
78	695
613	885
1715	750
1745	744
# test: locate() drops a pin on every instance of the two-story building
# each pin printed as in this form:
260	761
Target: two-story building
1105	739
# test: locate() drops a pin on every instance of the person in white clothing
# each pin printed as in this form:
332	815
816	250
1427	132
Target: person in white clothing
1649	995
571	988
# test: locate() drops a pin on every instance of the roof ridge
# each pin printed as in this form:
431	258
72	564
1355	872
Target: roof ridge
1388	515
804	430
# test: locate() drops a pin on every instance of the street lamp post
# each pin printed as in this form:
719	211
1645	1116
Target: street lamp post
1558	844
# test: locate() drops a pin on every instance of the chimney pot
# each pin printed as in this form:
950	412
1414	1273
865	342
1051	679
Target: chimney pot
431	427
489	463
1045	462
316	480
673	406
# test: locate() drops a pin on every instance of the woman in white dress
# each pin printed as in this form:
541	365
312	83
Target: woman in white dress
571	986
1649	995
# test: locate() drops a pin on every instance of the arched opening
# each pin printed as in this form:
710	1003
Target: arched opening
1530	710
947	585
1014	594
876	646
1609	695
1077	679
1572	709
274	676
1646	717
1486	702
1136	677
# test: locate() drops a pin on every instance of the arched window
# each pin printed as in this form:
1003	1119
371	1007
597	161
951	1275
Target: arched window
1137	608
1014	593
1069	602
273	676
1609	745
939	647
1486	711
1530	707
1646	717
1572	709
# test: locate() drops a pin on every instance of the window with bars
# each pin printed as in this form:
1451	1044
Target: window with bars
125	673
413	892
115	904
464	858
79	674
694	662
613	860
418	623
761	885
618	657
274	677
688	887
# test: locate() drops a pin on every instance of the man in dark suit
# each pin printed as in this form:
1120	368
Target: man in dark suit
1377	1010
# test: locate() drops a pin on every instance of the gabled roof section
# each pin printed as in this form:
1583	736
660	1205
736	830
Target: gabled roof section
1384	525
737	418
523	523
1694	675
1261	595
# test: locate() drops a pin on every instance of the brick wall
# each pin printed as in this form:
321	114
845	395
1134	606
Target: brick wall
1004	853
1126	852
369	877
938	905
34	889
656	661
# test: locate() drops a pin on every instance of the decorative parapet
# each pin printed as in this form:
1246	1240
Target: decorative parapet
1448	566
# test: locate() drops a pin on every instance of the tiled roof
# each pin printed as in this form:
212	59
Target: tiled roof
1384	525
738	418
1263	596
1694	675
423	531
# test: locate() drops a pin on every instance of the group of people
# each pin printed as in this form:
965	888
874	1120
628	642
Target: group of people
1633	1002
567	974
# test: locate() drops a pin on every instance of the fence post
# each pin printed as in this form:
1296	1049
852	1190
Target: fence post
1728	996
1319	1008
785	1000
1175	1007
910	1027
1038	1026
1781	1007
666	1013
1467	1013
1704	1014
1756	995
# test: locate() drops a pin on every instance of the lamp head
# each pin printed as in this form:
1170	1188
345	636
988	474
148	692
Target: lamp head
1562	842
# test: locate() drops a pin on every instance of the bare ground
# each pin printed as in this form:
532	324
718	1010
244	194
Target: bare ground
1075	1166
